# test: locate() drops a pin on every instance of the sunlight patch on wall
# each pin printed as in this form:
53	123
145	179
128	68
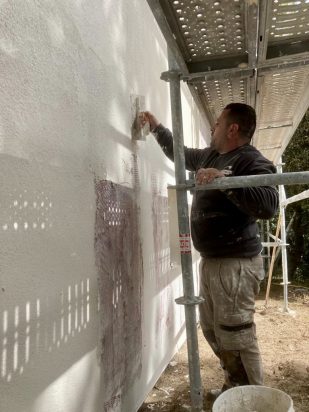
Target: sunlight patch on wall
23	211
41	326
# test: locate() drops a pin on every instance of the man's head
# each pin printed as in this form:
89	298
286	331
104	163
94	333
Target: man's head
244	116
234	127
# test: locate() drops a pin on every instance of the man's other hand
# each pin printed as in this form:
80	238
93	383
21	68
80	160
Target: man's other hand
204	176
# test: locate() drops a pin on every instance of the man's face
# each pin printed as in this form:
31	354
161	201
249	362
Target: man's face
219	132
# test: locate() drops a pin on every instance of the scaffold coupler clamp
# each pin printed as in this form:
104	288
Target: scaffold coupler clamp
190	301
171	75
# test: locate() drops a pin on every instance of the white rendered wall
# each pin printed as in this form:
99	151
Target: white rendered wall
67	71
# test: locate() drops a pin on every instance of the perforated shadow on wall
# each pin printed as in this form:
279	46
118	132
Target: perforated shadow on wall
120	266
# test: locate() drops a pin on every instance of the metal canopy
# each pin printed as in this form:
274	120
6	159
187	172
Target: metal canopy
250	51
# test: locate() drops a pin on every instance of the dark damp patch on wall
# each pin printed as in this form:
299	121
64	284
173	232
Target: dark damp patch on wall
120	268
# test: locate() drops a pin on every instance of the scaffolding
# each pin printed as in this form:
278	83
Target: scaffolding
234	51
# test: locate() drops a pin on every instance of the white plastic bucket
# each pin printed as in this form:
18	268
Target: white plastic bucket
253	398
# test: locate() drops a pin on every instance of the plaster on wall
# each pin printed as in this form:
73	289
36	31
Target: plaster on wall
67	70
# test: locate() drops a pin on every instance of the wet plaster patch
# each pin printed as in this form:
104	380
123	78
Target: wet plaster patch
120	270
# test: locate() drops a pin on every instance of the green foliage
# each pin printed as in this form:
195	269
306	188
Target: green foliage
296	155
296	159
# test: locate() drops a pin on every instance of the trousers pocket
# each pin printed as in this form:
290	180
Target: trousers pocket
236	340
229	276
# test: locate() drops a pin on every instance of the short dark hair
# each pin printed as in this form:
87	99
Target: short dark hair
245	116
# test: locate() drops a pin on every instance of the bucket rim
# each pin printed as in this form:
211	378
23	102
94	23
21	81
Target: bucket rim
260	387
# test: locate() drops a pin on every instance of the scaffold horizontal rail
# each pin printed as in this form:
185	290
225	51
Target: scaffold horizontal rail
233	182
301	196
274	244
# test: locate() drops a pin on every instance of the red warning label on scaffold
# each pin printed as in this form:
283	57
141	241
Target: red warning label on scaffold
185	243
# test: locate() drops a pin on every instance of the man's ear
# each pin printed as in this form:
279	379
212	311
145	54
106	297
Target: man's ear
233	129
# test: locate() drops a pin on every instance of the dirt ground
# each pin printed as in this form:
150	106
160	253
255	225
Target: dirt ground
284	344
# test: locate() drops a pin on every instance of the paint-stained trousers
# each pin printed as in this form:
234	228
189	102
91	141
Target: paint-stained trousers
229	287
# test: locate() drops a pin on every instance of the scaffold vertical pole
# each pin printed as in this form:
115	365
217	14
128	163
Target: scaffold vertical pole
188	300
285	281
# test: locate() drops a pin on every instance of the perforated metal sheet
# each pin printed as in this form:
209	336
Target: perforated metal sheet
218	93
289	20
284	97
280	96
271	37
210	28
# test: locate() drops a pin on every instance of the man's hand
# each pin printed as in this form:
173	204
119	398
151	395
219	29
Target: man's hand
150	118
204	176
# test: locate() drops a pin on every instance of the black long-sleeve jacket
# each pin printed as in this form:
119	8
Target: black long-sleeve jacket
223	223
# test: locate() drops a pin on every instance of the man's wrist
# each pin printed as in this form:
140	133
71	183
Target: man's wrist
156	128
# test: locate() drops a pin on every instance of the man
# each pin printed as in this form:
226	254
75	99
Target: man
225	232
